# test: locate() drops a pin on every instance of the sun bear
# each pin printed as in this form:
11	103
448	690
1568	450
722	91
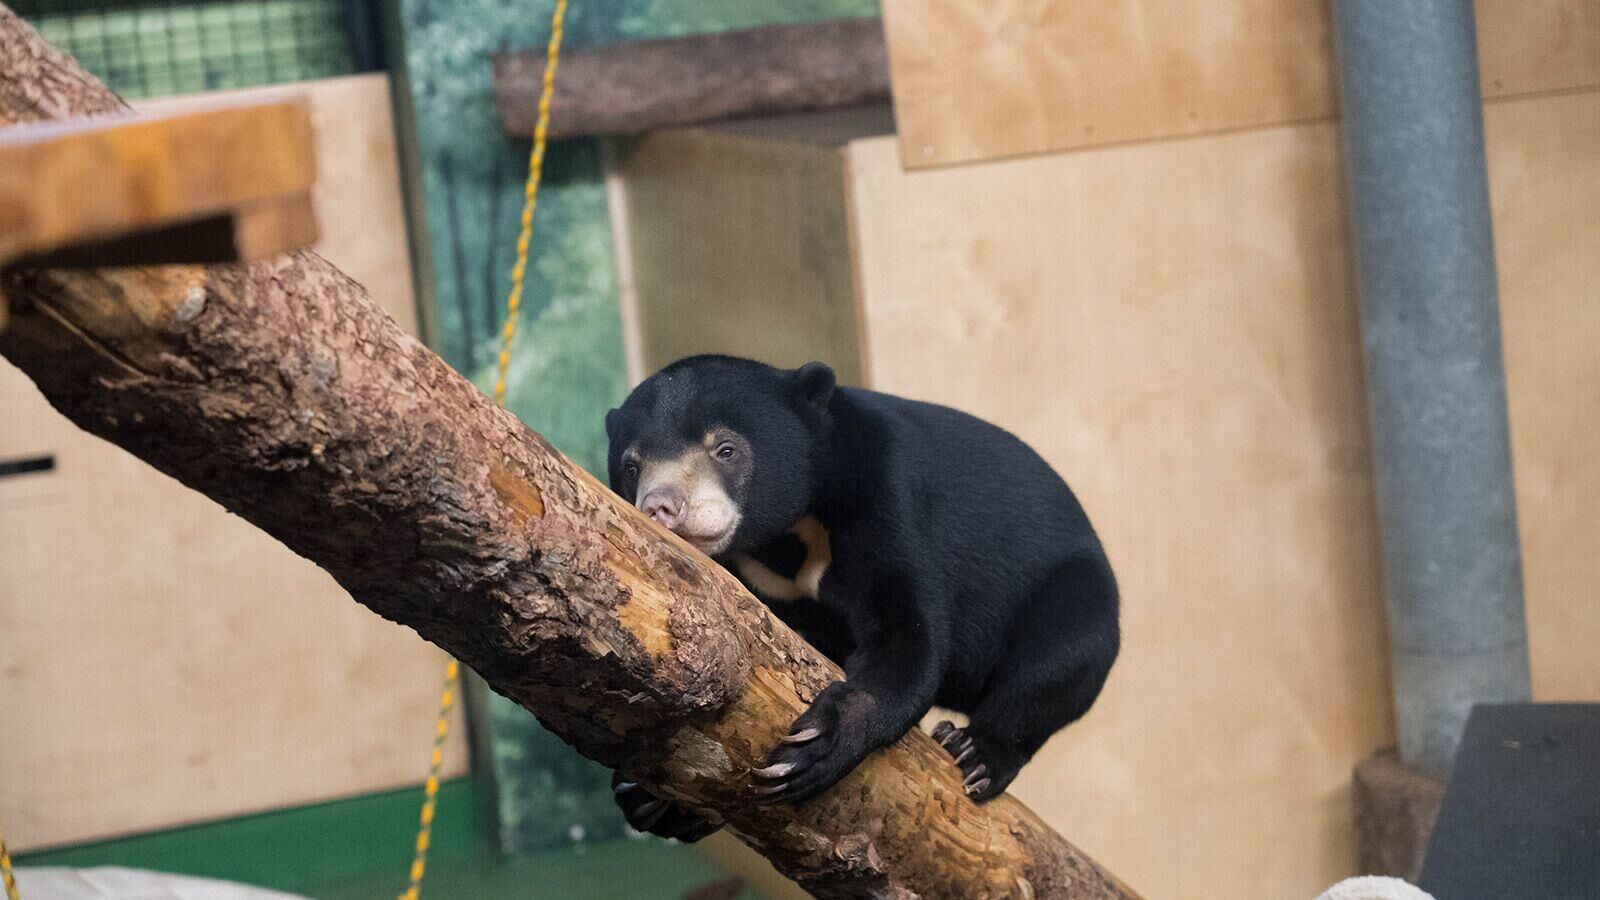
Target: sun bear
934	556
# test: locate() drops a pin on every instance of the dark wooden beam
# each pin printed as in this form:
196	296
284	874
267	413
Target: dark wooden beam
634	87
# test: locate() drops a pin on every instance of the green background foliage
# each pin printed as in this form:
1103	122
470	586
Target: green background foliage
567	369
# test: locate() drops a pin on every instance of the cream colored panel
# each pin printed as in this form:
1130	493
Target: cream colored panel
739	246
980	80
1544	169
1531	46
161	661
1173	326
1008	77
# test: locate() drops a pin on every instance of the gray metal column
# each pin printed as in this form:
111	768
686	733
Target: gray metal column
1419	209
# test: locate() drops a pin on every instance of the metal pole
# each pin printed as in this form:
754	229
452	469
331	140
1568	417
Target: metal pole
1419	211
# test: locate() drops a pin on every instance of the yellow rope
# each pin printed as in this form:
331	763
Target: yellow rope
5	872
508	335
530	202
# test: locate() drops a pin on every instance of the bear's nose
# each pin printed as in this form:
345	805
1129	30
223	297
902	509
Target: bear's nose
665	506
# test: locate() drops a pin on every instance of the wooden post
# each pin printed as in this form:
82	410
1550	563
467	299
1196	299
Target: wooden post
283	392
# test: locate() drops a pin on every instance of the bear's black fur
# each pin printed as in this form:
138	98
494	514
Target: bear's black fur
963	573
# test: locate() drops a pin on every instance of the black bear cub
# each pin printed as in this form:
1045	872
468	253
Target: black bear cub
932	555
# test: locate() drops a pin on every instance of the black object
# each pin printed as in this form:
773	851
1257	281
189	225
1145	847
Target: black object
363	20
9	467
1521	817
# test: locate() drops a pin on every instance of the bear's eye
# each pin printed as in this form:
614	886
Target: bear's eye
631	468
725	451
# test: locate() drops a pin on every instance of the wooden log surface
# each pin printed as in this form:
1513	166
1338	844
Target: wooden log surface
632	87
284	393
223	183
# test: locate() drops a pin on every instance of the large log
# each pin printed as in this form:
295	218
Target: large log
284	393
632	87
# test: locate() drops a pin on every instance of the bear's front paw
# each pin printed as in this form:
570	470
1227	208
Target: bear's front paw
824	745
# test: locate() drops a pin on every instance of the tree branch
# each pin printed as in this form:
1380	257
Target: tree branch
284	393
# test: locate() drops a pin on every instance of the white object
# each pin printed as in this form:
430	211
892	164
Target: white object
1375	887
102	882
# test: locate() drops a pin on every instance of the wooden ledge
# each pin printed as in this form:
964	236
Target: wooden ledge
228	183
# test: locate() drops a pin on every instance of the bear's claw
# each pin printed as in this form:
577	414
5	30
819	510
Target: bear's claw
977	776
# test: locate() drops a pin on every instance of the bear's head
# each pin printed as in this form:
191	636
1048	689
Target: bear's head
722	451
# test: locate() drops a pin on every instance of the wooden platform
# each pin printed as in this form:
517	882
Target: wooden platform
221	184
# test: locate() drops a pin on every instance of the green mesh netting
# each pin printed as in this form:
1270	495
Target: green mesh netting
153	48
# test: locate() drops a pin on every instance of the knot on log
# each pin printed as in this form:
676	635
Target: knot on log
859	853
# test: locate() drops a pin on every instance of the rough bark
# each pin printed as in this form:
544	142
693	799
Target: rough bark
284	393
632	87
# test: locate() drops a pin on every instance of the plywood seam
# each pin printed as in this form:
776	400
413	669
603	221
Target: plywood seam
1574	90
1212	133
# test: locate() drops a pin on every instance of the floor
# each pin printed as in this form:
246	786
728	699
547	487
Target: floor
361	848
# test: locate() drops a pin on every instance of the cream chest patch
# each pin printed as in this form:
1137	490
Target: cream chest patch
806	582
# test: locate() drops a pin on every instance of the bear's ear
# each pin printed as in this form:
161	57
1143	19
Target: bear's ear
613	422
813	383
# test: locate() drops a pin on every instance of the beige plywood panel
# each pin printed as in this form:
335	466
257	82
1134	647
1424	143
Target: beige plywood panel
739	245
1173	326
163	662
1009	77
980	80
1544	172
1534	46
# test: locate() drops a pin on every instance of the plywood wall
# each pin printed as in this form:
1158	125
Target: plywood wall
1544	182
1007	77
738	244
161	661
